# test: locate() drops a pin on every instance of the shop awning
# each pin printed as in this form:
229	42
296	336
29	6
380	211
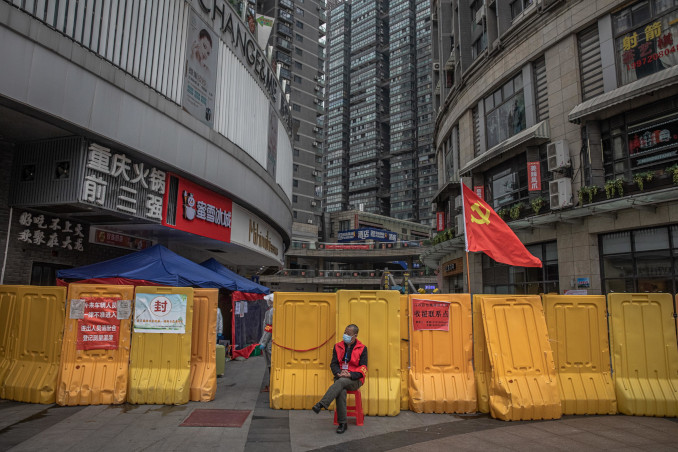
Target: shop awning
646	85
451	188
533	136
243	284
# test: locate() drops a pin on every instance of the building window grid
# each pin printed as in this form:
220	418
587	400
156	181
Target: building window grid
506	279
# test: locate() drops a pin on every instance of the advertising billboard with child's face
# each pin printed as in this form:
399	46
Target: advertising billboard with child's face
200	77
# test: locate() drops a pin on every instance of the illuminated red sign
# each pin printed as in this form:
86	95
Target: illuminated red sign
440	221
195	209
346	247
534	176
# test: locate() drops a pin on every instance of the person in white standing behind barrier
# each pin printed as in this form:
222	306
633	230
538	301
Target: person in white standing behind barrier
266	341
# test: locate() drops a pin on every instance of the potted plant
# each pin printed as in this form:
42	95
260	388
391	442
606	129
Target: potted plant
673	171
613	186
590	191
515	210
502	212
537	204
641	178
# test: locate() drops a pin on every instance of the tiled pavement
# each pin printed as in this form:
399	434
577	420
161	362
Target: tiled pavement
26	427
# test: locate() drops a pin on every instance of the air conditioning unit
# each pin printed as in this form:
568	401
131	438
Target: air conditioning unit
309	221
436	66
457	202
315	101
560	193
316	130
315	144
557	155
313	203
479	15
459	224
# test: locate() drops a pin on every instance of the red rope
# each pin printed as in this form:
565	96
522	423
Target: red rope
307	350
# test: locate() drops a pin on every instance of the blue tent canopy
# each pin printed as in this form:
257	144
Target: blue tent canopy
156	264
243	284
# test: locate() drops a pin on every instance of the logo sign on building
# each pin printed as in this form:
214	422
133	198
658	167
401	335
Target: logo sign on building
480	191
430	315
379	235
440	221
533	176
155	313
653	143
200	77
264	27
116	182
453	267
99	327
252	232
51	232
118	240
195	209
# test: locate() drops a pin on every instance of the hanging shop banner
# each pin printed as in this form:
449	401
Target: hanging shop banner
534	176
50	232
197	210
99	326
264	28
648	49
118	240
115	182
440	221
653	143
480	191
164	313
200	78
430	315
380	235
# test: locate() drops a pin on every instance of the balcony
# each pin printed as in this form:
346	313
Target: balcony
287	4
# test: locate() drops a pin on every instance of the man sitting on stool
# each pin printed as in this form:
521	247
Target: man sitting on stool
349	367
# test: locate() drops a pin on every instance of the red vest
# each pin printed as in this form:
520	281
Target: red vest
354	360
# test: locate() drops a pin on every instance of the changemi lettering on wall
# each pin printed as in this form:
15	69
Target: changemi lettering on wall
257	237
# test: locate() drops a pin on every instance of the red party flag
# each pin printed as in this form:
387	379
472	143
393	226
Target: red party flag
487	232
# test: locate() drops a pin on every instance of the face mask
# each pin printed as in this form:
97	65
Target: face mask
347	338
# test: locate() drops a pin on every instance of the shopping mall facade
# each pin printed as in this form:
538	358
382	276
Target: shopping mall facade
125	124
563	116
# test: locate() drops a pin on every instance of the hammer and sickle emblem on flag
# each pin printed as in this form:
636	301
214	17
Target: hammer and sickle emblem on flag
483	214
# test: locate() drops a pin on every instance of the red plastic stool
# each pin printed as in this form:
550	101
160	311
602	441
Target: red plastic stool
355	411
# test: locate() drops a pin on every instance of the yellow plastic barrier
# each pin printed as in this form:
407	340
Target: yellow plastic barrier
481	359
644	353
160	363
8	321
303	337
577	327
376	314
97	376
524	384
441	374
204	345
38	332
404	353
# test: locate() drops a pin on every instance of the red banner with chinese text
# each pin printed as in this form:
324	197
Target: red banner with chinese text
479	191
430	315
100	327
534	176
440	221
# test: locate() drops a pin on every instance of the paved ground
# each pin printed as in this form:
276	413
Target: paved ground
26	427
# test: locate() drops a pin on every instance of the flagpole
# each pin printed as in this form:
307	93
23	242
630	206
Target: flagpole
463	212
468	274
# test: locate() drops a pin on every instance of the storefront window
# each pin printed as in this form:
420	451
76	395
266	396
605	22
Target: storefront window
505	111
505	279
640	261
506	184
644	34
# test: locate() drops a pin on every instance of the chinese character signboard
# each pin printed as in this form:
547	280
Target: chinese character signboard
154	313
99	327
653	143
480	191
200	79
115	182
380	235
533	176
195	209
118	240
50	232
430	315
440	221
648	49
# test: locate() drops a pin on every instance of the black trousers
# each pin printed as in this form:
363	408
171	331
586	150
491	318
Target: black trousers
337	392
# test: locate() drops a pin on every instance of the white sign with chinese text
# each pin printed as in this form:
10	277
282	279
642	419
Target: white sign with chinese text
50	232
113	181
155	313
